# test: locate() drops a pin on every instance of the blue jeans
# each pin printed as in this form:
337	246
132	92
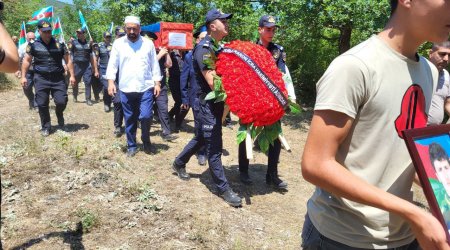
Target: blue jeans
313	240
137	106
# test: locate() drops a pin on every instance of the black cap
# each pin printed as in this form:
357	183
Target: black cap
200	30
150	35
106	34
267	21
44	25
214	14
120	31
80	30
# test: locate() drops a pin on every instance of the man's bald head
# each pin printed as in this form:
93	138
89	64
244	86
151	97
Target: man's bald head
30	36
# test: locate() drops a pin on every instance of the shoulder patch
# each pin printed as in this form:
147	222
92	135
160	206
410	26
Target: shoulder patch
276	54
206	56
283	55
206	45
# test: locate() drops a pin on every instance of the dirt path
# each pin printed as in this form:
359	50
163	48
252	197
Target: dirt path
78	190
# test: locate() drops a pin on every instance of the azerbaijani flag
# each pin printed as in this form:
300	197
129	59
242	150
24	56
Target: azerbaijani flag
45	13
23	33
57	27
82	20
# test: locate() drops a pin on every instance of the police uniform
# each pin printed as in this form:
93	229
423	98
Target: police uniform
174	85
49	78
279	57
28	90
209	121
117	104
81	54
104	49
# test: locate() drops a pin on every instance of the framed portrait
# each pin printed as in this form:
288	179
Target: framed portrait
430	152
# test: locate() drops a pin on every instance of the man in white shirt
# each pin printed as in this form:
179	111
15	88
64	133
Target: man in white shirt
139	79
439	55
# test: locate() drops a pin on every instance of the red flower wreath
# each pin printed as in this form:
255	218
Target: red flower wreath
247	96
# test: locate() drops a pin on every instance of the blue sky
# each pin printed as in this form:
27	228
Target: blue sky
66	1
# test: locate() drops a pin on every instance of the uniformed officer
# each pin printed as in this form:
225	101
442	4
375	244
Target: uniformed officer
118	111
162	101
189	88
176	112
104	49
82	55
48	74
210	113
267	28
90	79
28	89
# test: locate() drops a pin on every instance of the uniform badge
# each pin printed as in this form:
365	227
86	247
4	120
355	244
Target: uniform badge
276	54
109	48
28	48
271	19
206	56
45	25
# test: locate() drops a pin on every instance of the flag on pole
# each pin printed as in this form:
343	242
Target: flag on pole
23	33
111	27
57	27
44	13
82	20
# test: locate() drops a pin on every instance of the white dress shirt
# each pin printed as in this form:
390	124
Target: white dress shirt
137	64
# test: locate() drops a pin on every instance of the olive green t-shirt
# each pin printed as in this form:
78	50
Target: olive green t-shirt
385	93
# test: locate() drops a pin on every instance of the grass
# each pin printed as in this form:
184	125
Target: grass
89	219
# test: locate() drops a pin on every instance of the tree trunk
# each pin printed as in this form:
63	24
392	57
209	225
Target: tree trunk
344	38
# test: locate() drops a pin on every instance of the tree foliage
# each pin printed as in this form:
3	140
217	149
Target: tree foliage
313	32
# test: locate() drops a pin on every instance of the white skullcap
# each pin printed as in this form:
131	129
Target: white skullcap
133	19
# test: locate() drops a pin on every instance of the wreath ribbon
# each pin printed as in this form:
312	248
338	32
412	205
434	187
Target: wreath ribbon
273	88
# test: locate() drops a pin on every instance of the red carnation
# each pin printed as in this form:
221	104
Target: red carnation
247	95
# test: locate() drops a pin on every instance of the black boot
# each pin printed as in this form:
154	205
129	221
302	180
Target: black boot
273	179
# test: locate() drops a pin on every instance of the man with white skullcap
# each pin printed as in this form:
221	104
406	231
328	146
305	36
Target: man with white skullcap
139	81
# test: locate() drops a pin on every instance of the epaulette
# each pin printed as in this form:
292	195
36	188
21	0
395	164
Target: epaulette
279	46
206	45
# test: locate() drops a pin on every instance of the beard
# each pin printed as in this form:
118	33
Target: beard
132	37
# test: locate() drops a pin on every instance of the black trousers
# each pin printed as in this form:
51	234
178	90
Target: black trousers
28	90
162	102
272	162
45	85
118	111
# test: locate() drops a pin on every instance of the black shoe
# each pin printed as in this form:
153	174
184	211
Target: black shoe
45	132
201	160
118	131
107	108
61	121
245	178
272	179
131	152
231	198
148	148
181	171
169	137
89	103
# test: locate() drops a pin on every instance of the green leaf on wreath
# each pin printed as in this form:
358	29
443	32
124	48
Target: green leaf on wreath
241	134
210	63
263	142
294	107
211	95
217	83
220	96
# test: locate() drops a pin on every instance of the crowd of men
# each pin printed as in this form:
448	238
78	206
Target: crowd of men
354	154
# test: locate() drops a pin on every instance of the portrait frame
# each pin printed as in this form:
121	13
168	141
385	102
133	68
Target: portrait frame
419	143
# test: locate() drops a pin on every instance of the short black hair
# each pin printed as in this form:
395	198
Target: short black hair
394	4
437	153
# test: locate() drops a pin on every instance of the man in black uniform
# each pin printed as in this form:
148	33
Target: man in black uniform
48	74
118	111
82	55
267	28
104	49
210	113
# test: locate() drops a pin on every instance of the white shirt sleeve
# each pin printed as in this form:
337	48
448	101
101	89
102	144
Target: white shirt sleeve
289	84
113	63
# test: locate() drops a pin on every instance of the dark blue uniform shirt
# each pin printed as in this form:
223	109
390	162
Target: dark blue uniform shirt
47	57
